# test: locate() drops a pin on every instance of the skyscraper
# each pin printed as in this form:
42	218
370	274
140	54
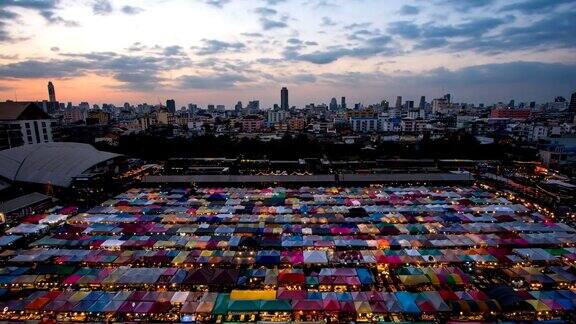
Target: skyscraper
572	106
448	97
284	98
333	104
343	103
171	105
398	102
51	92
422	104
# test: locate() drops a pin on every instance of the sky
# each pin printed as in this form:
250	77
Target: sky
224	51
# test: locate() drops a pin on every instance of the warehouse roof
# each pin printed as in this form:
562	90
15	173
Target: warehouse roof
50	163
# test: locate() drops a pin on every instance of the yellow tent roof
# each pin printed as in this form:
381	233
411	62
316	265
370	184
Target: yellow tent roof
252	294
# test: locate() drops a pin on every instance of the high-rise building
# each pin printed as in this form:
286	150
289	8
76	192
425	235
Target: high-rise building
284	98
398	102
238	107
171	105
422	104
448	98
24	123
572	106
343	103
51	92
409	104
333	104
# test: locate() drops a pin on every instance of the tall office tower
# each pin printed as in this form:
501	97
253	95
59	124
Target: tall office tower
171	105
448	97
385	104
512	103
409	104
51	92
422	104
284	98
333	104
343	103
238	107
398	102
572	106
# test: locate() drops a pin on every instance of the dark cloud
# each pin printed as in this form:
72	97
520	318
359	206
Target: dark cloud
269	20
102	7
555	31
373	46
408	10
213	46
268	24
212	81
46	8
327	21
130	10
136	47
273	2
358	25
521	80
535	6
55	49
174	50
255	35
265	12
134	72
465	6
310	43
216	3
404	29
294	41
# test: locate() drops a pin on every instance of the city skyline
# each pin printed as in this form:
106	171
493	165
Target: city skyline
484	51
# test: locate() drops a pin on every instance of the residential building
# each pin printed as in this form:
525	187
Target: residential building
24	123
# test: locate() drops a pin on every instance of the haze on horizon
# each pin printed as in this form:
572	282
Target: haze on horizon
221	51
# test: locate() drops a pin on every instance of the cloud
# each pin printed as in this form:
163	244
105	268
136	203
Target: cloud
213	81
502	81
358	25
133	71
294	41
327	21
408	10
465	6
217	3
268	18
8	57
273	2
268	24
404	29
130	10
264	12
254	35
55	49
213	46
174	50
46	8
102	7
373	46
535	6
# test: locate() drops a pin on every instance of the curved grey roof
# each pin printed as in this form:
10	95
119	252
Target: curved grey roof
54	163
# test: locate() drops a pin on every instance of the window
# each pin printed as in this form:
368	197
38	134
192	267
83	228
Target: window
43	124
